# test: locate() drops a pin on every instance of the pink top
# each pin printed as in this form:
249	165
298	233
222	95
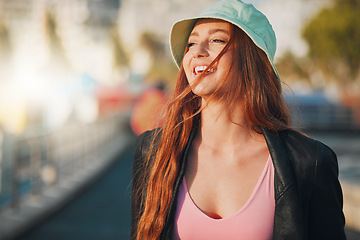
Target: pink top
254	221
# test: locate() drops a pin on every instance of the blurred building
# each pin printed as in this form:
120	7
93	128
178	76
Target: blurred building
80	25
47	47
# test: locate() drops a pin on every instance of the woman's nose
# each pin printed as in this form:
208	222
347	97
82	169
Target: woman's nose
200	50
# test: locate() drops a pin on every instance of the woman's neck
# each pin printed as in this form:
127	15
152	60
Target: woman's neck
217	130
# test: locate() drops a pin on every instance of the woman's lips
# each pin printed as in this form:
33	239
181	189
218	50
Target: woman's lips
200	69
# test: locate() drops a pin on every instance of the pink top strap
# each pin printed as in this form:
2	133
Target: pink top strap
254	221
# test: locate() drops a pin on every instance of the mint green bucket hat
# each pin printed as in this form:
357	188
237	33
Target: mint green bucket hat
243	15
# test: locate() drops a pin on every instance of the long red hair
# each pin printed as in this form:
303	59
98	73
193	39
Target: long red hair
251	80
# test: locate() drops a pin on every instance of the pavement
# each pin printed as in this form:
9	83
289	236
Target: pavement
34	210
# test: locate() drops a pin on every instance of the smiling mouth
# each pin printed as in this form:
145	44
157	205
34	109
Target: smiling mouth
200	69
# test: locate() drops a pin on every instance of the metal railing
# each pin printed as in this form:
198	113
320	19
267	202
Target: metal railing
48	160
325	117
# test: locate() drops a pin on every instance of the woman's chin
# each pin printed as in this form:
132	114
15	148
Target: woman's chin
201	92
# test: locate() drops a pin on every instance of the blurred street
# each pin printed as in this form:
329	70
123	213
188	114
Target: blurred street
100	212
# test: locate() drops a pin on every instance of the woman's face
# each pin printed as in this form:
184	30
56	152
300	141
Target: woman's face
207	39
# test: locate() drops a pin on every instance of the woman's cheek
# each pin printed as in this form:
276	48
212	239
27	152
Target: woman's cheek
186	66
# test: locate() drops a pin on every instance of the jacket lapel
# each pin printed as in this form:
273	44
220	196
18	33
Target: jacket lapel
288	220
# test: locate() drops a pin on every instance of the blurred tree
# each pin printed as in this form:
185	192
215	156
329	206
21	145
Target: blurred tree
293	68
333	37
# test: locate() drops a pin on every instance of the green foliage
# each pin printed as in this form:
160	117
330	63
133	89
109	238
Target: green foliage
334	35
293	67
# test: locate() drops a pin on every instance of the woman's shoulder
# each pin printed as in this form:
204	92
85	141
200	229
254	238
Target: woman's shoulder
316	175
308	154
142	145
144	140
299	141
311	161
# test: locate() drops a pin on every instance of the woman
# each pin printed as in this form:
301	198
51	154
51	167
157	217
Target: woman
226	164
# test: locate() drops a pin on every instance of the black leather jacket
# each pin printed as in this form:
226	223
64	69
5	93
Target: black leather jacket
308	195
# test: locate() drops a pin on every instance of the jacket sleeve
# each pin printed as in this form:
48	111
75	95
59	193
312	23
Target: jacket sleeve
326	218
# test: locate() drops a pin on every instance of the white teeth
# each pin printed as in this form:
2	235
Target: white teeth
200	69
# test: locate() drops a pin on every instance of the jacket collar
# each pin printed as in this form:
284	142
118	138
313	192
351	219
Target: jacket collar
279	154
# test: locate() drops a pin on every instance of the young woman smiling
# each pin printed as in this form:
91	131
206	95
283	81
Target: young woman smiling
226	164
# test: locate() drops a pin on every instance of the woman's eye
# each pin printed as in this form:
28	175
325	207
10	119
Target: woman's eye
190	44
218	41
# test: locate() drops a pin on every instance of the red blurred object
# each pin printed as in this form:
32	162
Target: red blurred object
114	99
352	101
146	114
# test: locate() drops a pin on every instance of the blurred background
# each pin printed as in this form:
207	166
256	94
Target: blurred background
79	79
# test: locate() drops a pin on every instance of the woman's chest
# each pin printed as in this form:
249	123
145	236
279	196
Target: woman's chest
251	219
220	186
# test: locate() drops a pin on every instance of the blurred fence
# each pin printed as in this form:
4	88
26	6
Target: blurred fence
330	117
44	161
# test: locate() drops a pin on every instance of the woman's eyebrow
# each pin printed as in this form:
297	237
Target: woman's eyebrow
194	34
211	31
